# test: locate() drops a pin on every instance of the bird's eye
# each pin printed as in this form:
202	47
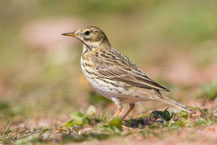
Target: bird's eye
87	33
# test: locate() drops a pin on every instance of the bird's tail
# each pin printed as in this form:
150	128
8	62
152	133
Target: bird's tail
175	104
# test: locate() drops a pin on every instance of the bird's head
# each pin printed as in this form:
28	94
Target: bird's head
89	35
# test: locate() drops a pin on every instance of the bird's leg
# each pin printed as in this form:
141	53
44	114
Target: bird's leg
120	108
119	105
132	105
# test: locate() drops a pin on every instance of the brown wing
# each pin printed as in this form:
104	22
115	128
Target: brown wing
116	66
132	78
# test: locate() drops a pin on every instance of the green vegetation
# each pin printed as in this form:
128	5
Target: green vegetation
87	126
209	91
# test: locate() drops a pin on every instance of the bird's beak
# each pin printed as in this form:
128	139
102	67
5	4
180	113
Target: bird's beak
69	34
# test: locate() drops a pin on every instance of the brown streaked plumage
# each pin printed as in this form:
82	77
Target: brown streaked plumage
114	75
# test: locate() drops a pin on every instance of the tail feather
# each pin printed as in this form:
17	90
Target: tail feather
175	104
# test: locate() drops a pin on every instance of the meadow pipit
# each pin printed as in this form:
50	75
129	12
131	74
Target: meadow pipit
114	75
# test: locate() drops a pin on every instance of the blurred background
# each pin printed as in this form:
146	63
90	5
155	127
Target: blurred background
174	42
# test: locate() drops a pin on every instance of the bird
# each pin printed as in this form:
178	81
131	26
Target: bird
114	75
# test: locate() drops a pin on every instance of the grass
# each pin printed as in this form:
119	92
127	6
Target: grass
87	126
209	91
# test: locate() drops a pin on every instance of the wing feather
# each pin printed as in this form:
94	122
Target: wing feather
122	69
134	79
